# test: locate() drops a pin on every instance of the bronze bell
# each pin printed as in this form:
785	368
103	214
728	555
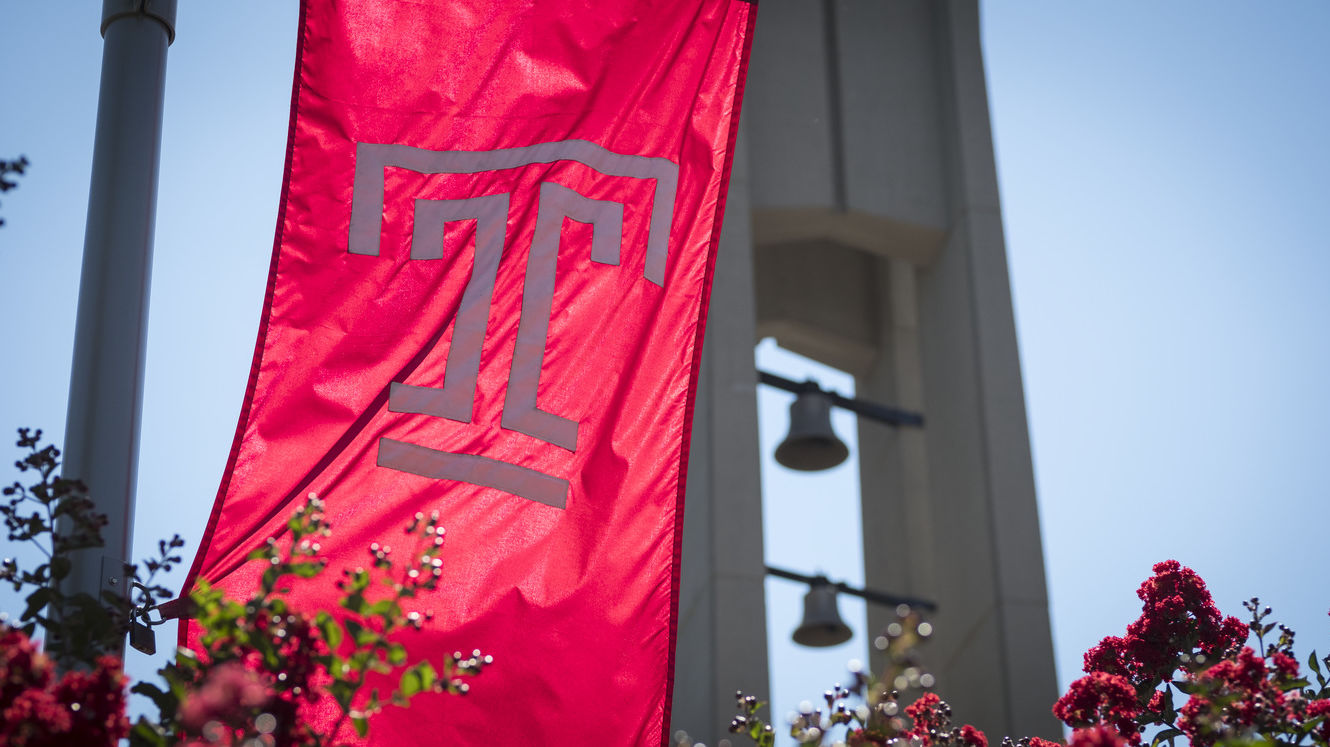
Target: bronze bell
811	445
822	625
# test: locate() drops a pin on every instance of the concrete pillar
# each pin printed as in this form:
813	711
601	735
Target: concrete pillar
879	251
722	644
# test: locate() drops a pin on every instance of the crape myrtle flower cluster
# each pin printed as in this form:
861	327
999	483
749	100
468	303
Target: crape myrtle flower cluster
267	671
40	708
868	711
265	674
1232	694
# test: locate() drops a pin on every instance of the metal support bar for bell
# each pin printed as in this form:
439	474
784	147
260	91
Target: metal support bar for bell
882	413
812	444
877	597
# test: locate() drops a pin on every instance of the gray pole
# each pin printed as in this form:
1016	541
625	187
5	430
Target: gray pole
106	383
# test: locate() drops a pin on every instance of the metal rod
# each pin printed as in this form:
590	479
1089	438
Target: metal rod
872	410
878	597
110	337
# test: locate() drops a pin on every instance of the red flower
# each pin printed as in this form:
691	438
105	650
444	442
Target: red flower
1285	665
973	737
22	666
1178	617
1096	736
1320	709
1238	697
32	719
1109	656
1100	698
1156	702
930	716
36	710
1037	742
96	703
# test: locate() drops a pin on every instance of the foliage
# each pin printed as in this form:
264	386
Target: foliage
1181	644
39	708
15	167
56	518
1235	695
266	673
868	711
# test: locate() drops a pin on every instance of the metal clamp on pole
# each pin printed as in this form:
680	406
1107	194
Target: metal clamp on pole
162	11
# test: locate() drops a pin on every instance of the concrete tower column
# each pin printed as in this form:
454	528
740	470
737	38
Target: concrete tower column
879	251
722	643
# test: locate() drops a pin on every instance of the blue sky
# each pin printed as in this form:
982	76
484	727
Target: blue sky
1164	182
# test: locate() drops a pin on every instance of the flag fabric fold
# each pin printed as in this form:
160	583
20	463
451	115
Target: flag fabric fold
487	297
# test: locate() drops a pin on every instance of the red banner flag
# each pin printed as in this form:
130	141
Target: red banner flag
487	295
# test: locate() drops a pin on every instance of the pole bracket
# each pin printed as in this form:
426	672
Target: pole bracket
162	11
116	577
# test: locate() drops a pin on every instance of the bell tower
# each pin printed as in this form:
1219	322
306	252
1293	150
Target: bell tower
863	230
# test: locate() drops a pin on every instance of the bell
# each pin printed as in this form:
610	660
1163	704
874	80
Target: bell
811	445
822	625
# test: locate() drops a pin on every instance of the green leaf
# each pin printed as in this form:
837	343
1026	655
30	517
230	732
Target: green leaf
1297	684
428	677
409	684
166	702
417	679
38	600
385	608
332	632
1166	734
1313	663
397	654
362	635
362	725
145	734
343	692
1187	688
60	566
353	628
306	570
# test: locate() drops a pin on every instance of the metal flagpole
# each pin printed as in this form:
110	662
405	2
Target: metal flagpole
106	382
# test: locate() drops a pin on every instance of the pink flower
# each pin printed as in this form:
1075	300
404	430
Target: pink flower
227	695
